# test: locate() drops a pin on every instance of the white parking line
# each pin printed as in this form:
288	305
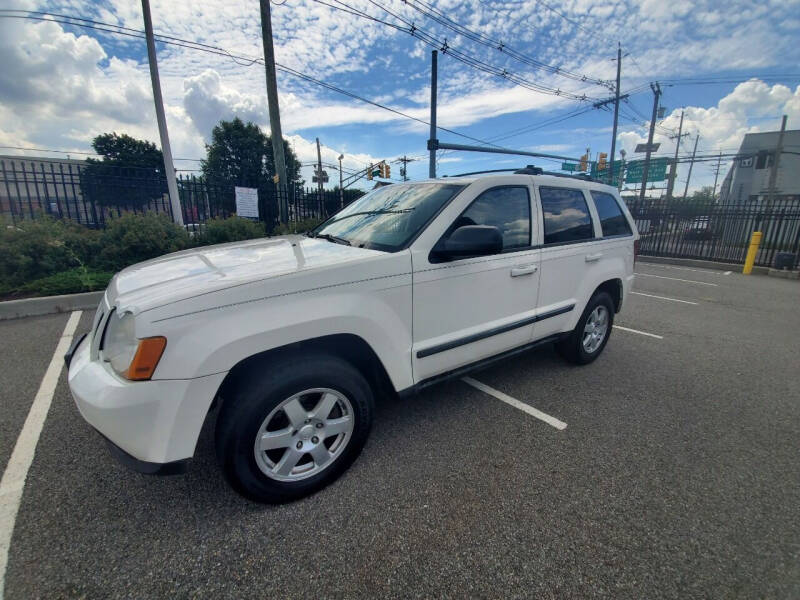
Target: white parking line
676	279
13	482
628	329
709	271
515	403
664	298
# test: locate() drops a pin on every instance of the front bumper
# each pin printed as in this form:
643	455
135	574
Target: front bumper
151	424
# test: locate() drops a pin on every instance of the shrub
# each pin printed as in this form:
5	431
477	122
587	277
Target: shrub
298	227
232	229
47	256
73	281
35	249
133	238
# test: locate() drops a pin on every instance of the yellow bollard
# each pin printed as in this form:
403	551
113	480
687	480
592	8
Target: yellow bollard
755	242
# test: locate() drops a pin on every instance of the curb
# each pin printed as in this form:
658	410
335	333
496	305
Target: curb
785	274
702	264
48	305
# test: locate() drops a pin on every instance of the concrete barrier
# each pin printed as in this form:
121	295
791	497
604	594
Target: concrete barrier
700	264
47	305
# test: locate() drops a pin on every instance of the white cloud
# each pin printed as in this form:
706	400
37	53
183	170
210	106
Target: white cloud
751	107
59	89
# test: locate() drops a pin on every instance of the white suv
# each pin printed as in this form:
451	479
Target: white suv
292	337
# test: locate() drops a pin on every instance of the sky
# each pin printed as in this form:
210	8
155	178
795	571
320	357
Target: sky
731	68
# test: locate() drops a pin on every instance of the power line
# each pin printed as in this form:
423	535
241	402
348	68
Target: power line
436	15
241	60
721	80
445	48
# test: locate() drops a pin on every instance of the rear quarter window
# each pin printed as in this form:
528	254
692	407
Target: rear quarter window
612	219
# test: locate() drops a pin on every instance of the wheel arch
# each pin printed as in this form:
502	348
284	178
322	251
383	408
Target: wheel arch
613	287
350	347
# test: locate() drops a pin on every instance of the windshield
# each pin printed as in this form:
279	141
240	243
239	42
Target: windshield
389	217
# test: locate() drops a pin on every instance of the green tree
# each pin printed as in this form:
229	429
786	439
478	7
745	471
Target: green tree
130	174
240	154
705	195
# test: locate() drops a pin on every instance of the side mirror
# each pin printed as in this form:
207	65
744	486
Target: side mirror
470	240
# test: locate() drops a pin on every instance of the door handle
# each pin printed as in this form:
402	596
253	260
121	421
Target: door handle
524	270
594	257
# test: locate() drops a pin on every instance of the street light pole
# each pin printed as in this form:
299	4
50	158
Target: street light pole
341	189
432	142
166	151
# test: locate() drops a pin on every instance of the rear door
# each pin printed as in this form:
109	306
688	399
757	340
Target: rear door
569	252
616	238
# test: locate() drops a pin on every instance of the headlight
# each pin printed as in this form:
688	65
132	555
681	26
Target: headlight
130	357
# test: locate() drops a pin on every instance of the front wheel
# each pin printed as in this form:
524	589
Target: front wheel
590	335
293	427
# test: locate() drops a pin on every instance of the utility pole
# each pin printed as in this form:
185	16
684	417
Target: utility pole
773	173
405	160
616	113
433	142
716	176
319	176
274	110
691	164
657	95
673	173
169	168
341	189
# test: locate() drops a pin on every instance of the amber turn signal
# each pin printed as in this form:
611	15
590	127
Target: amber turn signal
146	358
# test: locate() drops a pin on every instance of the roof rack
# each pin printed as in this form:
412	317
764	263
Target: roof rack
481	172
532	170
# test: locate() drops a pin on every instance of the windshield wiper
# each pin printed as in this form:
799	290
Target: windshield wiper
371	212
332	238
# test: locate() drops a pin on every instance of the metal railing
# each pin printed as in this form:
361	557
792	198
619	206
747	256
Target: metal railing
90	195
719	232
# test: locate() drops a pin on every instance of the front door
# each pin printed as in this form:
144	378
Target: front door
472	308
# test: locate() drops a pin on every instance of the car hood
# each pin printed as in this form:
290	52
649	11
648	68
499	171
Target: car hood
190	273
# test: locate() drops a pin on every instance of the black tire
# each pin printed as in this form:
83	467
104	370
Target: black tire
258	392
571	347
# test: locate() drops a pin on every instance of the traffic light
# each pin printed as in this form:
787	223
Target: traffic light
584	165
369	173
602	161
386	171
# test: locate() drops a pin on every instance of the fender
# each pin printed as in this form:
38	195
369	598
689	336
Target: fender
212	341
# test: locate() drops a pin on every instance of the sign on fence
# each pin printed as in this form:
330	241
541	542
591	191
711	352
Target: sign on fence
246	202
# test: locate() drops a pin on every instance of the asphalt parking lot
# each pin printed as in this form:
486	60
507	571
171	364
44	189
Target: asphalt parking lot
676	476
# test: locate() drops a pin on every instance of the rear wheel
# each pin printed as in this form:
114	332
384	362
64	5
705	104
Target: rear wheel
590	335
293	427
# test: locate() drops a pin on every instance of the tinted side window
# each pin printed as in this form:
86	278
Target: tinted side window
566	215
508	209
612	220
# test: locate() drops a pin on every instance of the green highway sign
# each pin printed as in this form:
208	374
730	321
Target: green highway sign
568	166
656	172
603	174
